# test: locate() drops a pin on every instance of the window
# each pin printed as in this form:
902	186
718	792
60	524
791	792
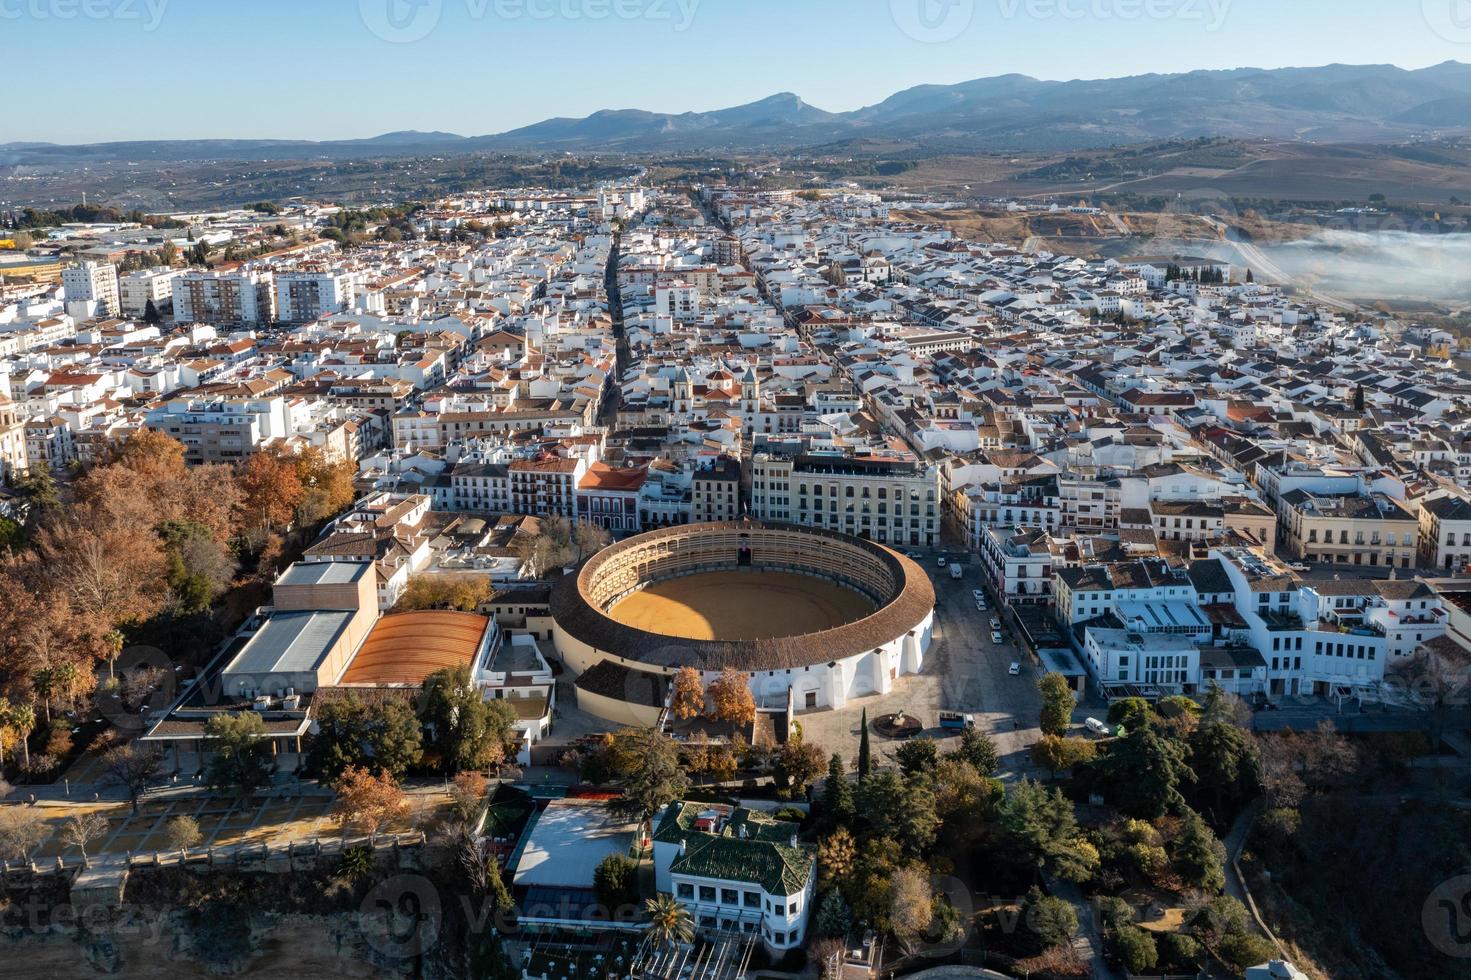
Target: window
685	890
707	893
729	896
751	900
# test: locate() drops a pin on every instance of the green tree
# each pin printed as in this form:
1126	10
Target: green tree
1142	773
1130	713
865	759
979	749
615	883
918	755
651	774
151	315
352	731
241	758
1198	857
1039	823
1057	704
1135	949
1226	761
834	918
468	732
837	796
1242	950
1047	920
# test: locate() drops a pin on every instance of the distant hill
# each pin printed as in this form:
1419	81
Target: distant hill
1334	103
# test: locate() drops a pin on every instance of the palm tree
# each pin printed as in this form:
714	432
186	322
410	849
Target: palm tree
669	921
43	682
23	722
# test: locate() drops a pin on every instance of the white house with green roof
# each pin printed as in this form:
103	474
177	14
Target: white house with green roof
736	870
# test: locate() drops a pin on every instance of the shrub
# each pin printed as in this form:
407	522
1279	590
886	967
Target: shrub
1179	951
58	741
790	813
40	768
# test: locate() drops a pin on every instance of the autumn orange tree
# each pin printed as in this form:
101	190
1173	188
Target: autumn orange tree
270	492
689	694
326	485
368	802
730	695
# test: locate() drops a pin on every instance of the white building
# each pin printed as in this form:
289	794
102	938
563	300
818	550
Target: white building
136	290
737	870
224	297
305	296
92	282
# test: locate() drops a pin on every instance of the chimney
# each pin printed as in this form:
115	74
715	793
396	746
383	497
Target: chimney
683	846
794	840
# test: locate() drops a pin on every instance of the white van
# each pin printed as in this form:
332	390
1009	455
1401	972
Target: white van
1097	727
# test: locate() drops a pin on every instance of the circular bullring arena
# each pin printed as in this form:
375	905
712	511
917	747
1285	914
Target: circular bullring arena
813	617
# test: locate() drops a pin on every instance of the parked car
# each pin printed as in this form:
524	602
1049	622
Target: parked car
1298	566
996	637
944	561
1097	727
995	622
956	570
978	595
1015	669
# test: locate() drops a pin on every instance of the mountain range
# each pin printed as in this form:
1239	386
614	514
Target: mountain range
1333	103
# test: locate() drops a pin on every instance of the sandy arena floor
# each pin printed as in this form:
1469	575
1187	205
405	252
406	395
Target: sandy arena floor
741	606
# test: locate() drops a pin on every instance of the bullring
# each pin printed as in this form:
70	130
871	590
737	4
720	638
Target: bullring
821	617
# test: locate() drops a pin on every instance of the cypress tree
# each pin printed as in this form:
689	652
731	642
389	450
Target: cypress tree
865	760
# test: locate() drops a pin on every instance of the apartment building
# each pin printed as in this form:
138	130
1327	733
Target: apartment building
221	430
94	282
1349	529
608	496
717	491
889	499
14	457
137	289
546	487
224	297
1019	564
305	296
1445	534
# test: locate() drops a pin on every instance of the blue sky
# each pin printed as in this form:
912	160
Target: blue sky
315	69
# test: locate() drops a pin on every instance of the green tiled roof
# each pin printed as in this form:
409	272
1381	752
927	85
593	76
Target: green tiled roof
765	857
